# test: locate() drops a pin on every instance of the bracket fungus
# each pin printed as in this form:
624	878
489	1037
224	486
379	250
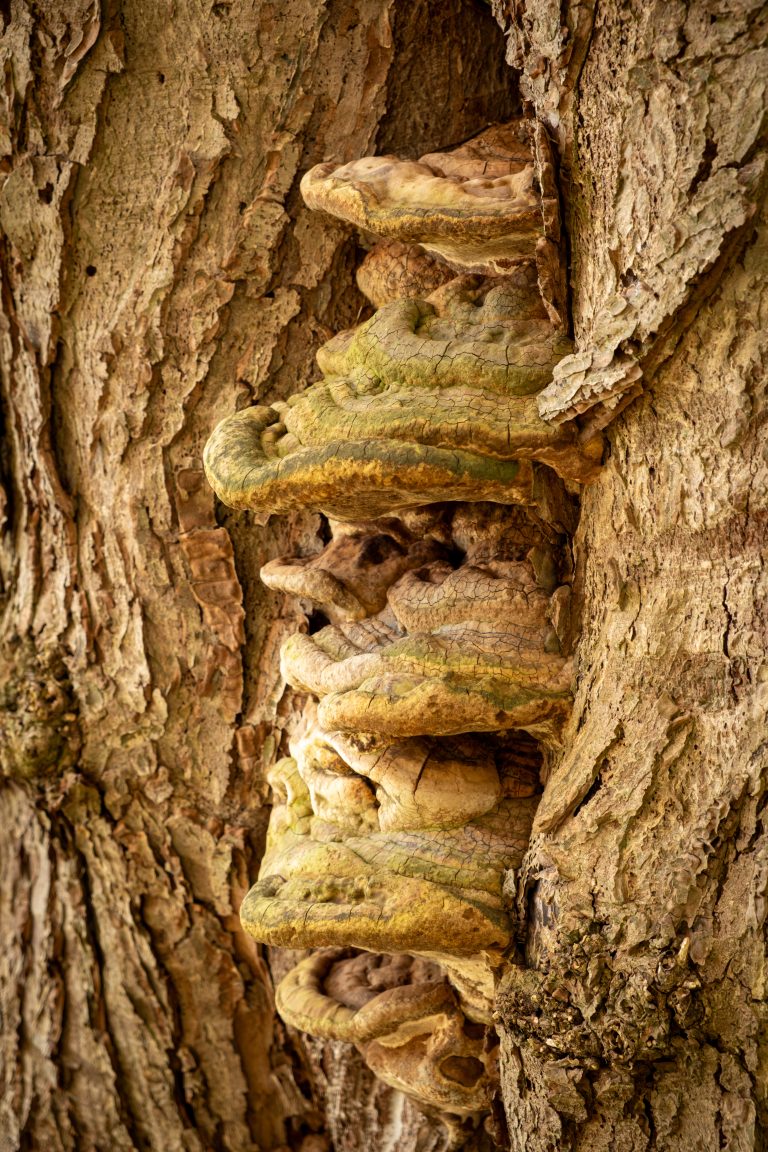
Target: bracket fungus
327	993
406	1020
443	678
457	649
485	206
393	827
428	400
394	846
477	675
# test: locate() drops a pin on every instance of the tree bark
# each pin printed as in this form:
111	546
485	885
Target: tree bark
159	270
158	267
640	1022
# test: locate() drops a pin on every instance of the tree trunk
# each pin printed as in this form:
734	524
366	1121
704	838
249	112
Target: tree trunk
640	1022
159	270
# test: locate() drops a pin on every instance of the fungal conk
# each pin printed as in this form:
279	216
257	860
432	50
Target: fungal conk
442	681
405	1018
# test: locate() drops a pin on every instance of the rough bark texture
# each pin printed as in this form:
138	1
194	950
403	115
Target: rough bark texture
158	271
157	264
640	1022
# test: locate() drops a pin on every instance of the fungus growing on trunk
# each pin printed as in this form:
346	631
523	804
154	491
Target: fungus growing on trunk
406	1020
476	675
394	846
482	207
444	678
428	400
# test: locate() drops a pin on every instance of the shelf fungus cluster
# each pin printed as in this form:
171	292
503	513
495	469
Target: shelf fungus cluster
406	1019
441	680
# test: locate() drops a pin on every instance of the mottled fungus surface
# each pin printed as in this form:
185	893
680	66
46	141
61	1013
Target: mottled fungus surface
406	1020
328	993
457	649
472	676
479	207
392	827
428	400
400	846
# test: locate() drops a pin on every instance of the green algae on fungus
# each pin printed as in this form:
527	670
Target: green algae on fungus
429	400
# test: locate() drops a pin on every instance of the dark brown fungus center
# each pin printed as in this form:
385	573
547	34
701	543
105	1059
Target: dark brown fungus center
464	1070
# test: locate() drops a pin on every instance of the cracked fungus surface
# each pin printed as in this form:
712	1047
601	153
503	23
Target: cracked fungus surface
396	271
394	890
428	400
393	827
393	844
453	679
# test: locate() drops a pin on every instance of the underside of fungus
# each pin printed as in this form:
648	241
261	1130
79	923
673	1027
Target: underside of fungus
405	1018
351	577
396	271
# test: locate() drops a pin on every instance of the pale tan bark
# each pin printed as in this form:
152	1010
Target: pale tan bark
158	266
640	1022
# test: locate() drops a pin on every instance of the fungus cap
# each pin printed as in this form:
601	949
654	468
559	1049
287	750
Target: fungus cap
429	400
412	1033
480	207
